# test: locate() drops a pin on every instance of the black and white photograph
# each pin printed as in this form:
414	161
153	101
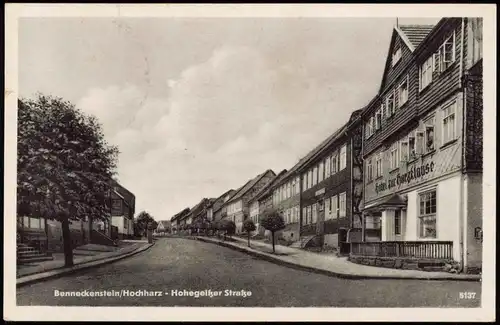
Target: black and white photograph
214	156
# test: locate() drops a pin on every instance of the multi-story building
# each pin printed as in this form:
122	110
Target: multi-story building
176	220
215	205
261	203
422	177
122	211
286	200
237	205
331	188
219	208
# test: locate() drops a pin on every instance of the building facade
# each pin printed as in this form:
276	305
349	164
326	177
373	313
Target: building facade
331	189
286	201
417	189
122	211
238	205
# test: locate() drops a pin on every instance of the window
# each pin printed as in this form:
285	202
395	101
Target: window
343	157
289	190
449	133
335	205
427	214
394	156
419	143
389	104
321	172
314	212
309	214
429	135
315	176
397	222
304	182
342	204
378	165
404	151
426	70
297	183
328	207
289	215
396	56
412	146
403	92
310	181
369	128
304	215
327	167
477	39
445	55
369	170
378	119
383	113
372	222
334	163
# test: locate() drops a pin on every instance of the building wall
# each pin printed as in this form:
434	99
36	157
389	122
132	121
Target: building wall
474	220
446	158
447	215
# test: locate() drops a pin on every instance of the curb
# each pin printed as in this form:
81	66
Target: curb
276	260
56	273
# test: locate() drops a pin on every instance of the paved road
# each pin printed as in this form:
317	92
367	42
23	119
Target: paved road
181	264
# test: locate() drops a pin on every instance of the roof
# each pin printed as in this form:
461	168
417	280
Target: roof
416	33
323	145
394	200
231	192
251	183
266	189
180	214
164	223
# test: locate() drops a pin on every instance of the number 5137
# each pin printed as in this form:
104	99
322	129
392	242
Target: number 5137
467	295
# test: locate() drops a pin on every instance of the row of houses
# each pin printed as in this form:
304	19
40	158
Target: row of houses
405	169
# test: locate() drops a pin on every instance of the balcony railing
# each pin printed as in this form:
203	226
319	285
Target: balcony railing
407	249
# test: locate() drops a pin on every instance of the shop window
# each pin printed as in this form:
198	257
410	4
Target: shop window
427	214
449	123
372	222
397	222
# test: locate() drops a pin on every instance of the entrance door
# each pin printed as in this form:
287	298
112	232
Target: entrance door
344	246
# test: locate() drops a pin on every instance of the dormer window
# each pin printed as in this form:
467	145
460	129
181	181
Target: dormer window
396	56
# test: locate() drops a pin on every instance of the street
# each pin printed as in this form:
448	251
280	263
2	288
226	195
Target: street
182	264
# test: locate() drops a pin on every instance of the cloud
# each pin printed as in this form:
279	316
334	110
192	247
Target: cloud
220	123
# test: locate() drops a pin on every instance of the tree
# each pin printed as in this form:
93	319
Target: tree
273	222
249	226
142	220
228	226
65	166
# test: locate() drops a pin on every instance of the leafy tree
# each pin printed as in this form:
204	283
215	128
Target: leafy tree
142	220
249	226
228	226
65	166
273	222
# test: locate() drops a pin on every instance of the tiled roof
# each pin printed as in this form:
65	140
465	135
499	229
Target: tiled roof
416	33
165	223
251	183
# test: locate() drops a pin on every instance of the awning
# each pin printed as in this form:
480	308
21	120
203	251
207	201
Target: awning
393	201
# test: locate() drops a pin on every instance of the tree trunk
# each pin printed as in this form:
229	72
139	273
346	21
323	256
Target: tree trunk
90	230
273	242
68	247
249	239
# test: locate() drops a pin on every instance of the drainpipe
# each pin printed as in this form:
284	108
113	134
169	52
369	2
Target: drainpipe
462	213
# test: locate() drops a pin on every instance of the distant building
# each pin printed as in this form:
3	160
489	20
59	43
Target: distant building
122	210
163	227
238	207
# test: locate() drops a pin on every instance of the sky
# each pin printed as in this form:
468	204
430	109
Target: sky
198	106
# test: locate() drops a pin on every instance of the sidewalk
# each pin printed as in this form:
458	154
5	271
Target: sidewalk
48	269
331	264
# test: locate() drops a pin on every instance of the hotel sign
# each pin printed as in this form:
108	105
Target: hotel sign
405	178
